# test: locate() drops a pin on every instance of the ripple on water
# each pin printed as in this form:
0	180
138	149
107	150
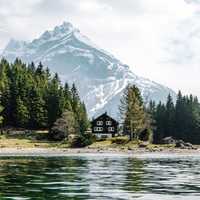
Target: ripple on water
85	177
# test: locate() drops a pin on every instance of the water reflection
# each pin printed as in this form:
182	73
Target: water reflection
81	178
134	175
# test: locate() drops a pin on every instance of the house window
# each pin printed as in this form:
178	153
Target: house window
98	128
99	123
108	123
104	136
110	129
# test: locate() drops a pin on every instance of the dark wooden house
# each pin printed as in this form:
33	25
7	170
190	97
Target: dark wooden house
104	126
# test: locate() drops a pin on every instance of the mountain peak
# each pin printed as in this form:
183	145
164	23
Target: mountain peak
64	28
99	76
66	25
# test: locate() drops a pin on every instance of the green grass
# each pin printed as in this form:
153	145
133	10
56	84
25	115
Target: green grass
11	142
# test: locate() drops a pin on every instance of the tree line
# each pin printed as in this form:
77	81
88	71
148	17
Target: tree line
179	119
30	97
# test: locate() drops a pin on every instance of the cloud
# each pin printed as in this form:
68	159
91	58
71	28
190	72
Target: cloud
55	8
158	39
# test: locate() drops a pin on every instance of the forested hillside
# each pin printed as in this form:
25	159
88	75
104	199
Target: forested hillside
30	97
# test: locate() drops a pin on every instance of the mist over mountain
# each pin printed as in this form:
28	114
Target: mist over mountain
100	77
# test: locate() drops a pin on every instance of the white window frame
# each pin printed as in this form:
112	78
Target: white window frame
108	123
111	129
99	123
98	129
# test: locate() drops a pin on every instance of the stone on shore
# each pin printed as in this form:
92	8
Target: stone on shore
168	140
183	145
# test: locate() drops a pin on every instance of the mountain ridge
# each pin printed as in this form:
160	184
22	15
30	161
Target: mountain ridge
100	77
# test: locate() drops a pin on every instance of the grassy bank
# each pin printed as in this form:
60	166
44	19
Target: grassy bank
32	140
38	139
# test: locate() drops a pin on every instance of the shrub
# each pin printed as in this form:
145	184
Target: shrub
82	140
119	140
146	135
63	127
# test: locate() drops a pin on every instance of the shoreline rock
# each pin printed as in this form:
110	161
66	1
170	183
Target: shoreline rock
178	143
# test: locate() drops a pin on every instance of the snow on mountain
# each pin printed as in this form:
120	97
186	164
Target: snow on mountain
100	77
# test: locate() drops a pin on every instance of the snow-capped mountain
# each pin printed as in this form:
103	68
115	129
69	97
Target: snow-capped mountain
100	77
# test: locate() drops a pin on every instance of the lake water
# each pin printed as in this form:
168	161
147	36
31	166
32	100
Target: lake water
100	177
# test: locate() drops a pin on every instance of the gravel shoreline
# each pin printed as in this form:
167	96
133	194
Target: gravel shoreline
53	152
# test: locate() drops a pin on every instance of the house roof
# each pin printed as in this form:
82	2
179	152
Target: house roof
105	115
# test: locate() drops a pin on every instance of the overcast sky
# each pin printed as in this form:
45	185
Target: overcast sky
158	39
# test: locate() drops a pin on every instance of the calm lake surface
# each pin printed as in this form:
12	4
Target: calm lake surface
100	177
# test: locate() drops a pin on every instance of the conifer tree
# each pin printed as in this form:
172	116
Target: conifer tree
83	119
132	112
67	98
53	100
170	117
22	114
4	90
159	118
180	115
37	109
78	108
75	98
